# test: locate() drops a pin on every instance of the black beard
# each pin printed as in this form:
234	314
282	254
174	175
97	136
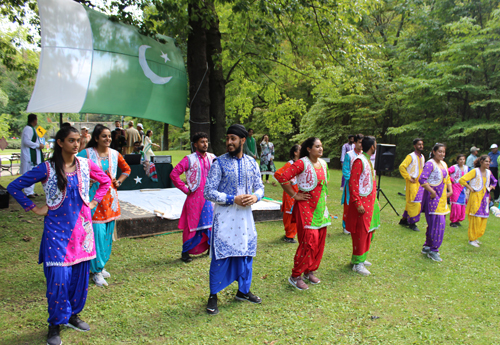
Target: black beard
235	152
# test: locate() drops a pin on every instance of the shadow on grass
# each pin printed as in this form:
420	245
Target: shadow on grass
38	336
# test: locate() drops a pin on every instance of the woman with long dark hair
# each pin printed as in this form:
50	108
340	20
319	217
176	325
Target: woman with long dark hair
458	200
436	183
309	212
103	218
479	181
288	201
68	240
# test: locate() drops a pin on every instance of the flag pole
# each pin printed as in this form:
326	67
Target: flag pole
60	120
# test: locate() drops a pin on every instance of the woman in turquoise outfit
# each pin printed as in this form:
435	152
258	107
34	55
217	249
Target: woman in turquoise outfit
108	210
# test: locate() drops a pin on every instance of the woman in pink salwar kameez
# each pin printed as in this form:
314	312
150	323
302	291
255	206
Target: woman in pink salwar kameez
459	198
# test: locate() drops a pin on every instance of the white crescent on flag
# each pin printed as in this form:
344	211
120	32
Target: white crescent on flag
156	79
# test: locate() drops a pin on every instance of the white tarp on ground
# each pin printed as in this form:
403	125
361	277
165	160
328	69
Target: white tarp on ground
168	202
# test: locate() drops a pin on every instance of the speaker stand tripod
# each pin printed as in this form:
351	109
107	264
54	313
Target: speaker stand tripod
379	190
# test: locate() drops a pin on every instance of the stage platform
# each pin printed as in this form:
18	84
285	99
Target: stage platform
154	212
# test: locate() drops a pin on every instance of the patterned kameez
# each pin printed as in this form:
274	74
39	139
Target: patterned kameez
435	209
363	191
478	209
67	244
108	210
234	237
311	216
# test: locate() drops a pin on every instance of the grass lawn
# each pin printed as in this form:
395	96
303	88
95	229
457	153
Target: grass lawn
155	298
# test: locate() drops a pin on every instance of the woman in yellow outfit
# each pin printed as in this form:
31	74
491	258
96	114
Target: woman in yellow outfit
479	181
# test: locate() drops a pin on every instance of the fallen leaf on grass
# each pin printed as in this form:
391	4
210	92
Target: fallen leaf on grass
264	277
20	216
375	317
27	238
27	221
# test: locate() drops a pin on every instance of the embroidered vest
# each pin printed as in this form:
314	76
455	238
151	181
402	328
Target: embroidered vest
457	174
352	155
414	167
477	182
93	155
193	174
54	196
366	177
307	179
436	177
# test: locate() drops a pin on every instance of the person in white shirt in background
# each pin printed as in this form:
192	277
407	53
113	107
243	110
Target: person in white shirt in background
31	151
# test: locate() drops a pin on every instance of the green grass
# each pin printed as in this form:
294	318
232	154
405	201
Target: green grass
155	298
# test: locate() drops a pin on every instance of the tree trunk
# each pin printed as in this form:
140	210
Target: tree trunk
199	95
217	85
165	137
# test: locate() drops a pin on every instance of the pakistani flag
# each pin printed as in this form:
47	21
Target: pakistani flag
90	64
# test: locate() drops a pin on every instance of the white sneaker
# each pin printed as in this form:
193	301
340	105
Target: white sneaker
361	269
99	280
105	274
474	244
367	263
346	232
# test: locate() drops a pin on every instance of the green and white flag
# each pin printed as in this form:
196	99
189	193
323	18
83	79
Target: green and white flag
90	64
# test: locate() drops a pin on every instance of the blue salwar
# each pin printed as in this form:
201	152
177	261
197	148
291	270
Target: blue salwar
224	272
67	288
199	237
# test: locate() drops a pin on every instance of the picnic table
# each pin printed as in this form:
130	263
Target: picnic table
14	157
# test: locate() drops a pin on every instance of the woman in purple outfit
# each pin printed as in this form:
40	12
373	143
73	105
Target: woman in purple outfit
480	181
434	179
68	239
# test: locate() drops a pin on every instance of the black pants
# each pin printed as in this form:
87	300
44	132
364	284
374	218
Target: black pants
268	165
494	171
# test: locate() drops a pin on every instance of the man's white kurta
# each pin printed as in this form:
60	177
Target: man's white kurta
26	145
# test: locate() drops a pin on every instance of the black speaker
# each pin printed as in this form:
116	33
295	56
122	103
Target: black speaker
385	157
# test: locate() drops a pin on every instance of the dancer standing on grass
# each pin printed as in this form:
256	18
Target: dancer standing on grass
346	174
363	212
458	199
410	169
288	201
309	212
436	183
67	240
480	183
267	157
234	185
349	146
197	213
108	211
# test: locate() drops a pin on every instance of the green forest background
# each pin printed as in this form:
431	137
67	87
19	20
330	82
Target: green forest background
396	69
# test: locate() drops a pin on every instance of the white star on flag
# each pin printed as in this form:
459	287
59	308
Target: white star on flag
138	180
165	56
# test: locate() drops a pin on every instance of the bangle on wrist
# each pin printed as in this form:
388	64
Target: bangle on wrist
293	196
